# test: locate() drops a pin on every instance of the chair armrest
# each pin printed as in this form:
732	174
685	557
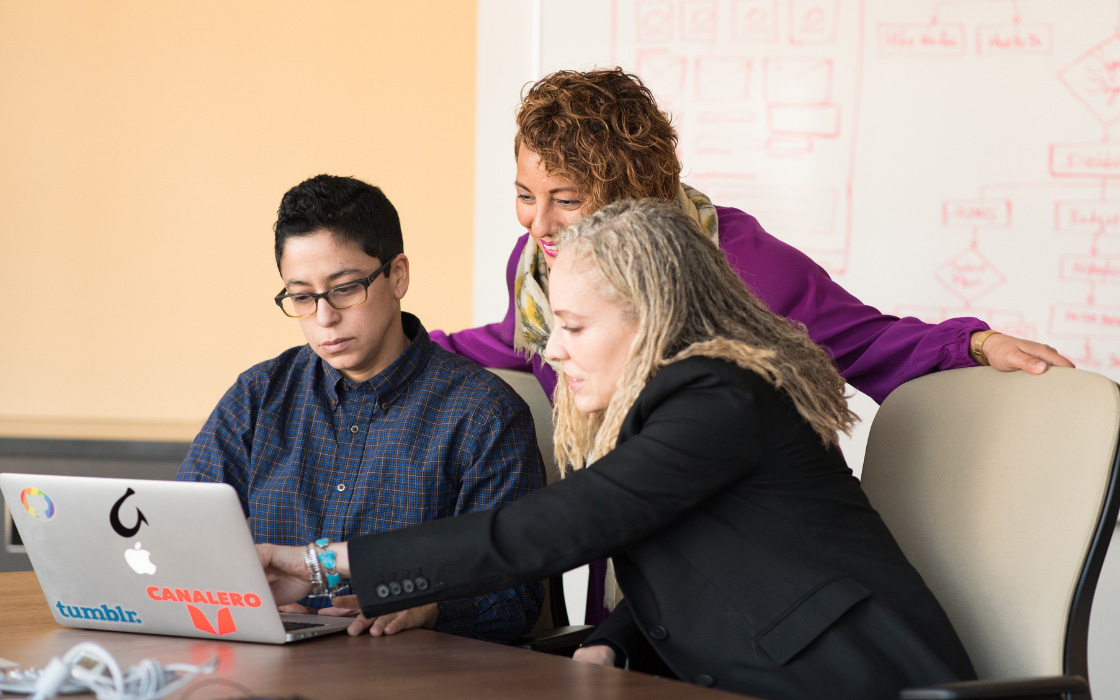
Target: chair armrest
556	640
1041	687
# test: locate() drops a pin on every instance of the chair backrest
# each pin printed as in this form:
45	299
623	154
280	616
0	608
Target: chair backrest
554	612
1001	490
529	389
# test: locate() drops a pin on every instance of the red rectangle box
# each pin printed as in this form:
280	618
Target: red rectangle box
1087	216
921	39
989	213
1081	321
1089	160
788	146
1091	268
822	120
1001	39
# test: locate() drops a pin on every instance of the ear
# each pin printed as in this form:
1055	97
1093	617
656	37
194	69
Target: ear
398	276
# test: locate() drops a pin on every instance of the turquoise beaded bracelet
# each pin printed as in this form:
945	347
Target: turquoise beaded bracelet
321	566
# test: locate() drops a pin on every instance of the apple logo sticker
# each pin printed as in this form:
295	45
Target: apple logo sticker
138	560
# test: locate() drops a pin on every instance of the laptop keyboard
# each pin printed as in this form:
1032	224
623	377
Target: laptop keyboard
293	626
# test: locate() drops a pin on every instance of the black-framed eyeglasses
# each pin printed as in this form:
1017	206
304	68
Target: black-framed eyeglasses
343	296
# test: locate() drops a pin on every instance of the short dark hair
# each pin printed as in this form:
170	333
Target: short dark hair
355	211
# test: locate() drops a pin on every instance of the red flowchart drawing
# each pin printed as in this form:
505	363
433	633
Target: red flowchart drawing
1095	269
664	71
743	119
797	80
754	21
1085	321
1014	38
813	21
768	99
728	143
722	78
1094	79
976	212
1087	216
752	89
970	275
700	21
1085	160
789	146
654	21
921	40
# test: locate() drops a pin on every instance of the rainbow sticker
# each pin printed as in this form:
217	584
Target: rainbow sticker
30	492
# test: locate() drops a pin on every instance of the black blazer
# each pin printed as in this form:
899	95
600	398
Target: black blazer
748	554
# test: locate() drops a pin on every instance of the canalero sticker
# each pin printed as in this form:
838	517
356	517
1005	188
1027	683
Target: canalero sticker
202	623
199	619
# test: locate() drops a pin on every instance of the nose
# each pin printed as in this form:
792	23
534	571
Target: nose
554	349
542	223
325	314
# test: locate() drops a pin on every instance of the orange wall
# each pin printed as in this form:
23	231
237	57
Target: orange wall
144	148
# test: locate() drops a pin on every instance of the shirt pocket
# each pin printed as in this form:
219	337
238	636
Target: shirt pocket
809	617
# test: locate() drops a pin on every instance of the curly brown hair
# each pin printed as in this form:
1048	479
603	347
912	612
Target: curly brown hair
602	130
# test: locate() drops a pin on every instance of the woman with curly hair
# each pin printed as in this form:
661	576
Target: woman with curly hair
586	139
701	430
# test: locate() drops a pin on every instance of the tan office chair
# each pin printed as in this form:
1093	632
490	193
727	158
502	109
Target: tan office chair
1002	490
552	633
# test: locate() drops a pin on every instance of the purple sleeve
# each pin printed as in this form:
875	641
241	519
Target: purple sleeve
492	345
873	351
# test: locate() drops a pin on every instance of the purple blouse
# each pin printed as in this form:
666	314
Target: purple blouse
874	352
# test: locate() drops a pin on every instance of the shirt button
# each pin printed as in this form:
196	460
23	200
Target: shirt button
354	428
383	591
341	487
385	406
658	632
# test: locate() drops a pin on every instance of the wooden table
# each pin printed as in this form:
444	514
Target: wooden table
416	665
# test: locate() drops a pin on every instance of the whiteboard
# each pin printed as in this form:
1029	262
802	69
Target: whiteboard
939	159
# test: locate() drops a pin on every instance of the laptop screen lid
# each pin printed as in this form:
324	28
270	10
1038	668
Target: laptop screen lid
156	557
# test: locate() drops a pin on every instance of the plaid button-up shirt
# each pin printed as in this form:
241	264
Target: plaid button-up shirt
312	455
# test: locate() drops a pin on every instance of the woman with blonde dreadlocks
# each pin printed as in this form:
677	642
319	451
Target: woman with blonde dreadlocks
701	430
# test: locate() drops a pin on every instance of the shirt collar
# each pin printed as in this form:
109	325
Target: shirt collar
387	384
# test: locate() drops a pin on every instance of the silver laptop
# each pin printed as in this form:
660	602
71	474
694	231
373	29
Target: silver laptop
157	557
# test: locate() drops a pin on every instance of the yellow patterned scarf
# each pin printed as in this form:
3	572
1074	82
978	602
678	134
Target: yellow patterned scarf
530	283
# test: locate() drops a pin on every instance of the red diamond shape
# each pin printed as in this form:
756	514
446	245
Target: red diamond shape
1094	78
970	275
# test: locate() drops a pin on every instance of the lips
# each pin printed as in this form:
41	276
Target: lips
336	345
550	249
